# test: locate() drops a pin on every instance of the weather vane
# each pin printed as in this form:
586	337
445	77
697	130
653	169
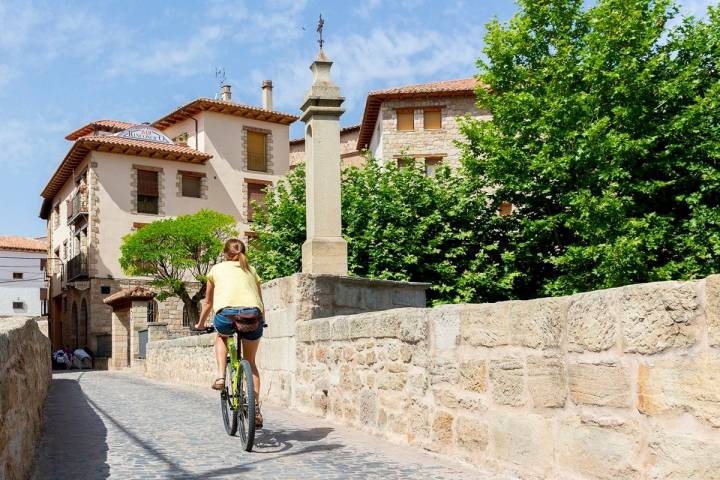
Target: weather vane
321	24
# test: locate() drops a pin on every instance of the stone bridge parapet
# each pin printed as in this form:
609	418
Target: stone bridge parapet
25	374
618	383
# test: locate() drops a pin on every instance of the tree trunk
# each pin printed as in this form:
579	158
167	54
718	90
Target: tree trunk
192	310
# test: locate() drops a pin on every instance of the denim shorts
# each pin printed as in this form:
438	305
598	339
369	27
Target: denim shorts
226	327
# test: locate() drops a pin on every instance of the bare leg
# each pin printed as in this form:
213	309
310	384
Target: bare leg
250	348
221	354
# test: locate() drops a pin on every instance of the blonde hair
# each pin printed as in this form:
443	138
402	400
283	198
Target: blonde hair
235	250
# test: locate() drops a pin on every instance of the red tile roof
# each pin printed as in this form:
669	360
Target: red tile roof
447	88
127	295
223	106
22	244
113	144
99	126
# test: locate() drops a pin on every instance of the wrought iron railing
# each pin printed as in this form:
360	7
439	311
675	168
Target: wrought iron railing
77	207
77	267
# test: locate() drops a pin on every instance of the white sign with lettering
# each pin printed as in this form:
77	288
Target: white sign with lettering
145	133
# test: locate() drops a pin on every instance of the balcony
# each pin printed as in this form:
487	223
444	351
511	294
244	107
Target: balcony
77	208
77	268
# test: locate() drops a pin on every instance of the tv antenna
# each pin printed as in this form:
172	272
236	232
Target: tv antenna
220	75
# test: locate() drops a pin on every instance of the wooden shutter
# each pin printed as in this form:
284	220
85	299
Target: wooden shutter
256	151
191	186
432	119
505	209
256	194
405	120
147	183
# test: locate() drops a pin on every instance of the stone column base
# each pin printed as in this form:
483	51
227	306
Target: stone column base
325	255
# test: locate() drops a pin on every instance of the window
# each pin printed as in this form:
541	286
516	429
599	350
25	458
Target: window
256	151
104	346
43	264
431	165
104	289
152	311
256	194
191	185
405	120
65	249
505	209
18	305
147	192
17	275
432	120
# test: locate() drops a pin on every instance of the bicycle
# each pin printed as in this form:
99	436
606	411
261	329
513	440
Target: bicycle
237	399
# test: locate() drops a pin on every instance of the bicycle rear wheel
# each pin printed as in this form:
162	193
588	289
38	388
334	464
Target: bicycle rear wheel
228	403
246	410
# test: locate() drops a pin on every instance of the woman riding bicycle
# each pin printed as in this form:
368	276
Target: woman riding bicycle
233	288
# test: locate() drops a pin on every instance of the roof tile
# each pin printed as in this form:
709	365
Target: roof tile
22	244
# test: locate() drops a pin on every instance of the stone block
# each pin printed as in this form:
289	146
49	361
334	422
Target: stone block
391	381
524	439
442	430
485	325
603	384
546	380
659	316
506	378
672	386
445	325
591	322
368	409
453	398
471	434
712	308
684	452
603	448
538	323
473	375
413	325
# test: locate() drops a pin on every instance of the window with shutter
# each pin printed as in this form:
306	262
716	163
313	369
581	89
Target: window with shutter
405	120
432	120
256	195
191	186
505	209
431	165
256	151
147	191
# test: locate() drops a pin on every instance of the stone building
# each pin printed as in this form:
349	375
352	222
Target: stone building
117	177
350	156
23	286
418	121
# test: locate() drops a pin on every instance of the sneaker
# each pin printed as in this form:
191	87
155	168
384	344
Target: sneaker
258	416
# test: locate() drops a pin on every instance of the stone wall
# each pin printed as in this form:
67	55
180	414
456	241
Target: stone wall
620	383
25	374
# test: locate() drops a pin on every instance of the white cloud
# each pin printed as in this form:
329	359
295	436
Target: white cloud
696	8
27	143
365	8
384	57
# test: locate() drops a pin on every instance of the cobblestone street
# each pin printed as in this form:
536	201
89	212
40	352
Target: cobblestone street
118	425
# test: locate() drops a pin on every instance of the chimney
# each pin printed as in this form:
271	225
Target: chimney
225	93
267	95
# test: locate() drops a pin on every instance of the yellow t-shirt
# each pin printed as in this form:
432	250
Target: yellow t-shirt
234	287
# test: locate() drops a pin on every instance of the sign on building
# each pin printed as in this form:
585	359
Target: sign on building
145	133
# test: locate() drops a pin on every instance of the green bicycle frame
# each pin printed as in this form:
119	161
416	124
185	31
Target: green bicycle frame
235	362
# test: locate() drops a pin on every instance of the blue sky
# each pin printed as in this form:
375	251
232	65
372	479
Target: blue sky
63	64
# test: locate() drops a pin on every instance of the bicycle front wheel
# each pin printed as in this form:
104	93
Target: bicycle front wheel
229	401
246	412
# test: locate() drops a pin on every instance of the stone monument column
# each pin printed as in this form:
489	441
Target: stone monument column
325	250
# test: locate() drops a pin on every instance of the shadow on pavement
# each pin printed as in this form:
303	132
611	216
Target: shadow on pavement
74	441
275	441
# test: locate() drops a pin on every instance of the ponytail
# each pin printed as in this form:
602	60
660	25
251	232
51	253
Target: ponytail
235	250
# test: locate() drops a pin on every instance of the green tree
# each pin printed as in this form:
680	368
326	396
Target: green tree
400	225
605	136
175	251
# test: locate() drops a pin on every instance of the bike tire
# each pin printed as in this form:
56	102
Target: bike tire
246	410
229	413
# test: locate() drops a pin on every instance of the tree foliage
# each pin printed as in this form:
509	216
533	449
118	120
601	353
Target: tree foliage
605	136
400	225
177	250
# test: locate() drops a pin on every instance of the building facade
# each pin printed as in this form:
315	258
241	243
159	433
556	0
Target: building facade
23	284
418	121
117	177
350	156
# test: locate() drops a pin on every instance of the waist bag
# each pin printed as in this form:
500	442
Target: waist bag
247	321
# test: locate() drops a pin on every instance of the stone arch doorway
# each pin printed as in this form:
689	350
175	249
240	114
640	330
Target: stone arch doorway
84	322
76	322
